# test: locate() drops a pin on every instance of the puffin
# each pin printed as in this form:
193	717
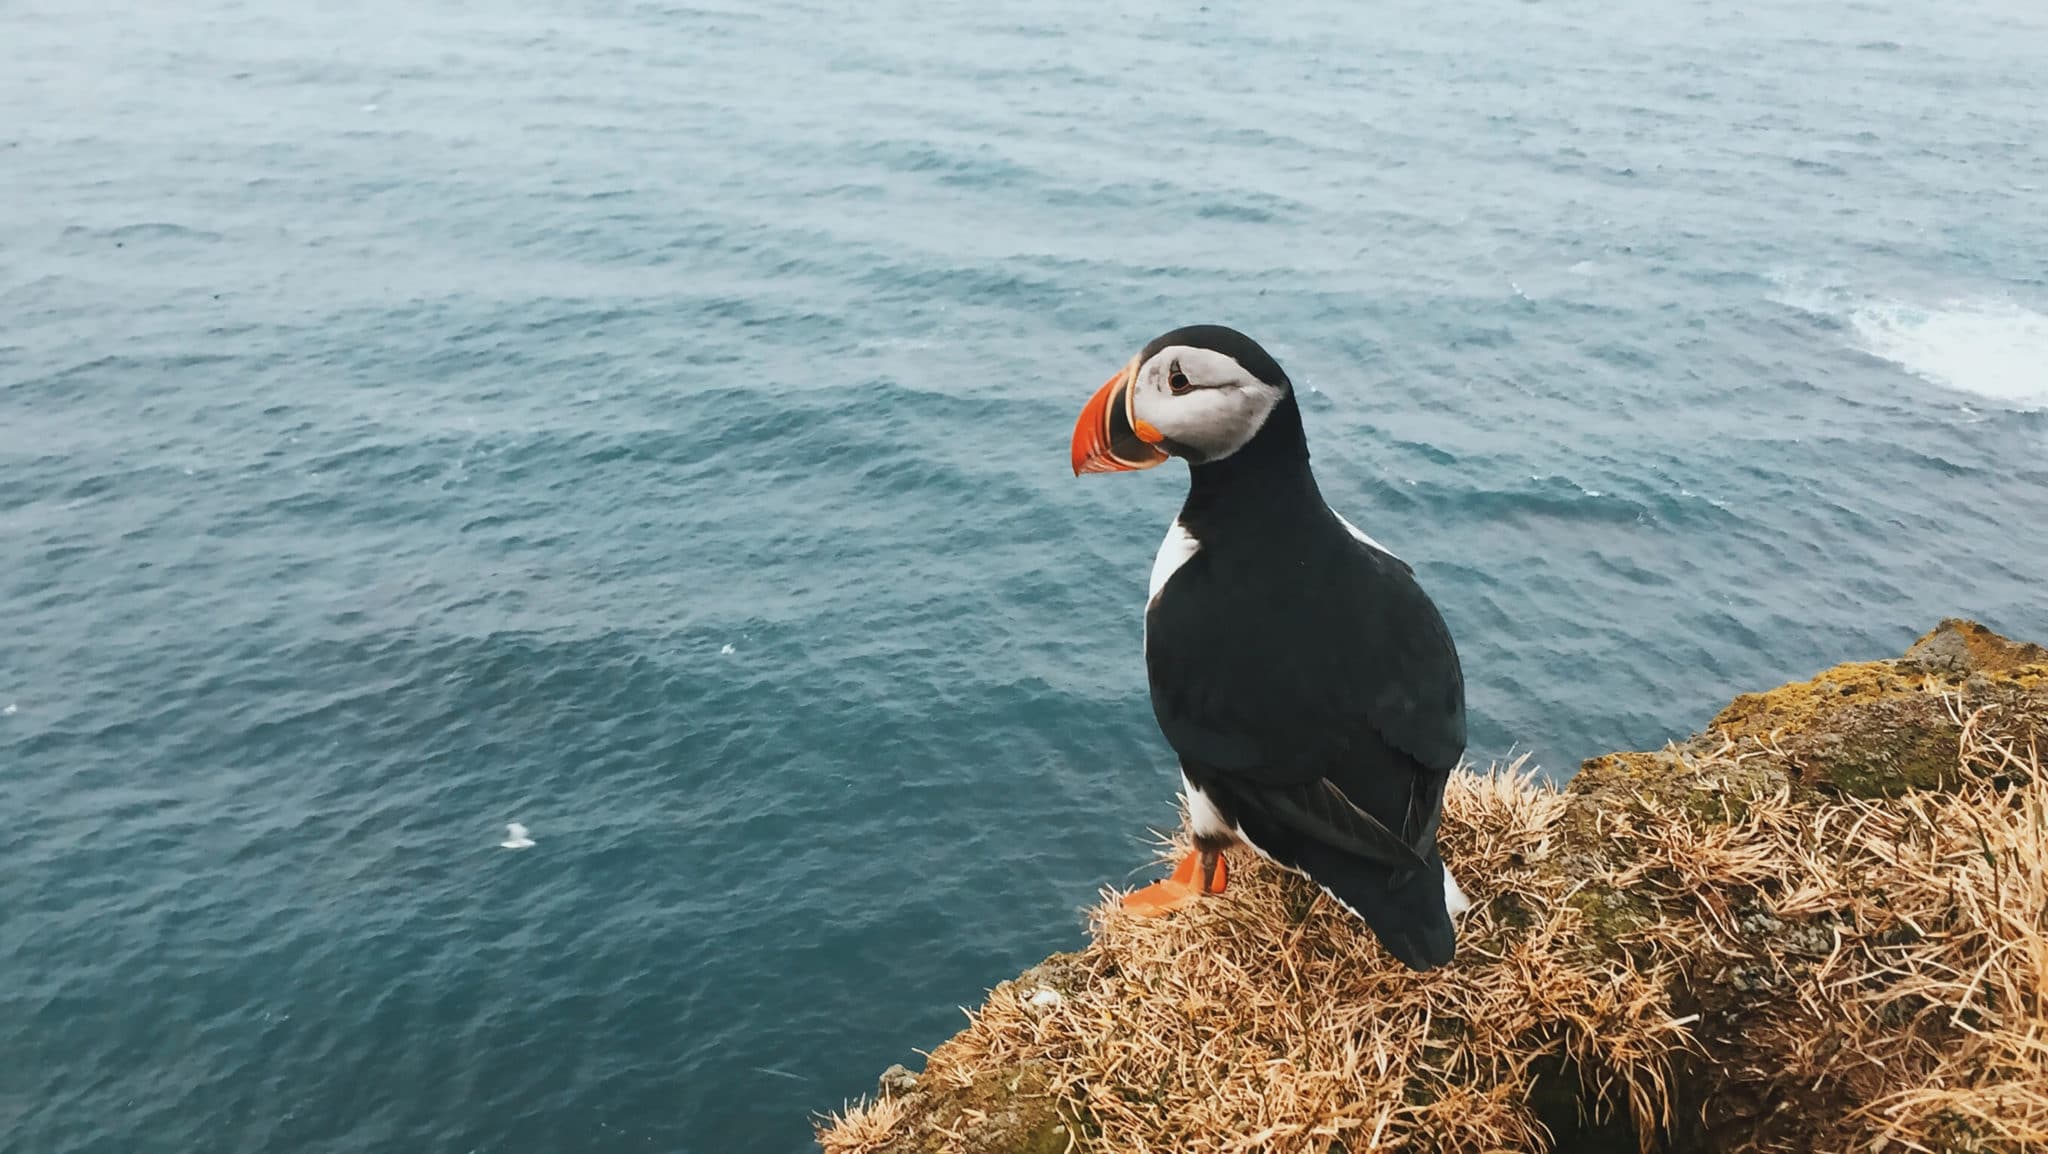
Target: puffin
1307	683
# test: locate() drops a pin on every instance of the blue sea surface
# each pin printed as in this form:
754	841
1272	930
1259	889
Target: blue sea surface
648	422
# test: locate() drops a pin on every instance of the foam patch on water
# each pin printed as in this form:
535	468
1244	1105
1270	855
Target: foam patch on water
1992	348
1986	346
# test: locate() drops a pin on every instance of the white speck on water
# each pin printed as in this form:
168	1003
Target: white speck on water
9	711
726	651
369	108
515	837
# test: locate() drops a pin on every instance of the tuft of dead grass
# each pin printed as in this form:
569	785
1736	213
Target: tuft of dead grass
1957	952
1711	959
862	1127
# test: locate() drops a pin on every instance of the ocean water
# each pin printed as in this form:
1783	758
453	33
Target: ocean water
648	422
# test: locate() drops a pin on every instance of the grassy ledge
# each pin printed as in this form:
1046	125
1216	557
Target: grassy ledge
1819	925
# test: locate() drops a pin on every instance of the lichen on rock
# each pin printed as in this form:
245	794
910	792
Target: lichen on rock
1821	924
1873	728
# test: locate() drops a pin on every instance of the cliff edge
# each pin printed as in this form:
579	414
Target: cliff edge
1819	925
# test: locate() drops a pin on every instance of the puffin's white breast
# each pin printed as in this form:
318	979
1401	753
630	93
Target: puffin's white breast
1174	552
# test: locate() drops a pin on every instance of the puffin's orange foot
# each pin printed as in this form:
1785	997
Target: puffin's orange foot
1160	898
1183	888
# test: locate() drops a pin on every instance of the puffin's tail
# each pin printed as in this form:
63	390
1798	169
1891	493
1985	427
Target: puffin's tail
1407	909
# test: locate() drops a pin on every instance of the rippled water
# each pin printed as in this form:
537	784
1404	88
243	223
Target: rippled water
648	423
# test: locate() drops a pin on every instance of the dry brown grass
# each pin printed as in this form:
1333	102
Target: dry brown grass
1955	951
863	1127
1880	967
1267	1020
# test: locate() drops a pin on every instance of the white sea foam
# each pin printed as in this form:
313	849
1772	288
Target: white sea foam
1987	346
1992	348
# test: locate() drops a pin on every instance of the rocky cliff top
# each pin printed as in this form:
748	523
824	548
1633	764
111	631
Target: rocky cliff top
1820	924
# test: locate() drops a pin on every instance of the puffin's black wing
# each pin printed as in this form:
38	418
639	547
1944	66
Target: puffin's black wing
1314	679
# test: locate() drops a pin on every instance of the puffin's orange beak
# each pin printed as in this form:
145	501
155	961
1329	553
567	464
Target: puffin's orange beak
1107	438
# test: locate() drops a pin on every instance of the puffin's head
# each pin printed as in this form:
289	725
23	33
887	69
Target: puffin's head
1202	392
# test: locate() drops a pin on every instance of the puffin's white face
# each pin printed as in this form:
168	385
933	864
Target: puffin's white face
1201	401
1182	397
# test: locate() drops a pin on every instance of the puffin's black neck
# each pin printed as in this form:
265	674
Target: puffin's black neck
1273	464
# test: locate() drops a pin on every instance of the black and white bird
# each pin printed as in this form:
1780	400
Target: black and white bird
1307	682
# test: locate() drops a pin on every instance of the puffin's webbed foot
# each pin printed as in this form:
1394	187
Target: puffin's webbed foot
1198	873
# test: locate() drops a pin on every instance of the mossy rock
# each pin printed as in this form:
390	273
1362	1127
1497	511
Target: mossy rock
1962	646
1880	728
1668	778
1007	1109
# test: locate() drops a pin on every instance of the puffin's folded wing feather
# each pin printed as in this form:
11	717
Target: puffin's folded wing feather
1400	669
1352	662
1321	811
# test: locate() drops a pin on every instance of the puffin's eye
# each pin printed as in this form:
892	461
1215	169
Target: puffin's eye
1177	380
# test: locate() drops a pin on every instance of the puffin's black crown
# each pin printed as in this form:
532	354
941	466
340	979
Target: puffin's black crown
1228	341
